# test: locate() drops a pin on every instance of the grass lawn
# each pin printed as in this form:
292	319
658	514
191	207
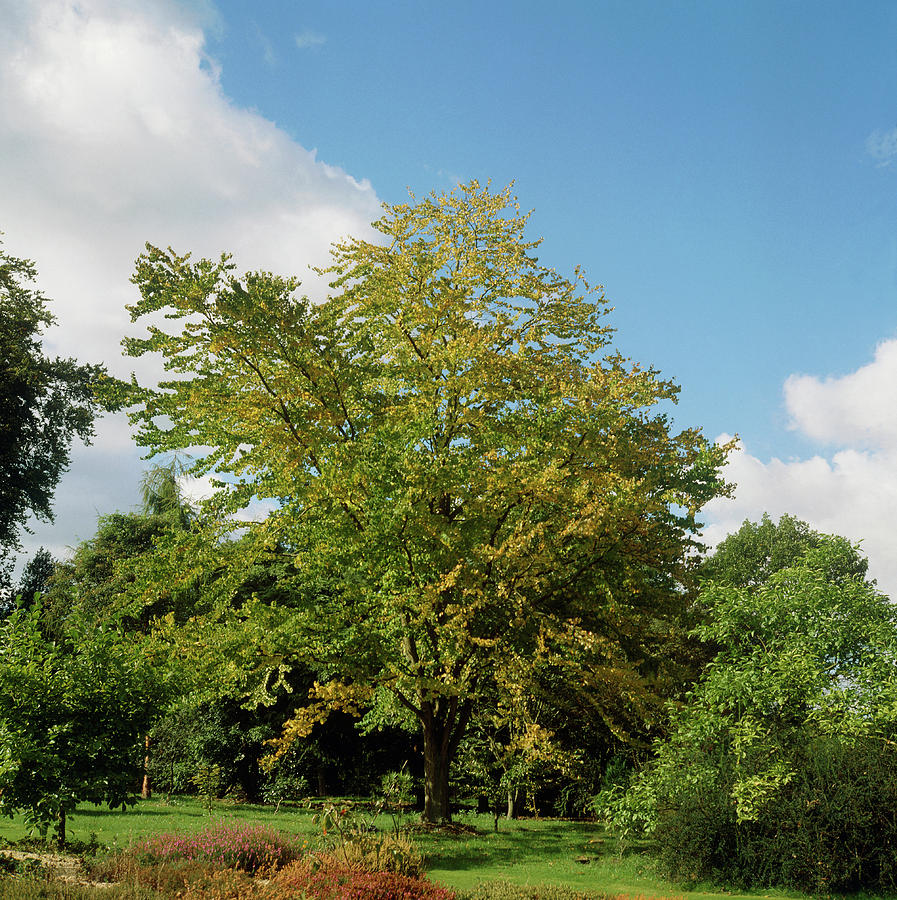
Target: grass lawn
525	851
117	828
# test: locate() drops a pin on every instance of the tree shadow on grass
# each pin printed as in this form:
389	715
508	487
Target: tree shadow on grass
516	845
143	812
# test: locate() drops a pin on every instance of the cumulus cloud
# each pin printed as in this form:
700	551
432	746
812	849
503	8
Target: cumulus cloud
115	131
852	490
853	410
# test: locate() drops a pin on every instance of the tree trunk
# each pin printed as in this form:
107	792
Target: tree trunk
60	829
146	789
512	803
443	722
436	776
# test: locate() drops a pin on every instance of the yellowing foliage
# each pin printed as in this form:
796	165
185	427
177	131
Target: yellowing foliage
462	465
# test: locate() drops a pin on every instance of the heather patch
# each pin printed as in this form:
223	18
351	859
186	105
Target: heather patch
341	882
250	848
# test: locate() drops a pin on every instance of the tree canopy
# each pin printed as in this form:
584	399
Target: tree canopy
781	768
44	404
71	711
466	473
750	556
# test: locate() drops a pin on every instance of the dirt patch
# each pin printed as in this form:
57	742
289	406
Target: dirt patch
61	866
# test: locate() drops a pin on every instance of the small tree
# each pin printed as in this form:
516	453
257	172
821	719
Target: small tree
72	711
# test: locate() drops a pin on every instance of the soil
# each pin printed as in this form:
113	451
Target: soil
62	866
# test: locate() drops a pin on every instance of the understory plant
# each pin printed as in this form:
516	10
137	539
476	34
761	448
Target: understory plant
351	838
335	881
249	848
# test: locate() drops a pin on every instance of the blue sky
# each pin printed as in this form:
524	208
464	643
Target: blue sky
728	170
706	162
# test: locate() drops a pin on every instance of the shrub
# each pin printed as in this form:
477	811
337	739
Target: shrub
27	867
331	881
352	839
31	889
289	787
246	847
166	876
782	768
378	852
223	884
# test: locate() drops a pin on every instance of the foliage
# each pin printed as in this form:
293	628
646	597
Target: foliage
779	769
250	848
36	576
353	839
222	731
467	475
192	735
748	558
95	580
397	792
207	781
508	755
163	496
44	404
286	787
99	580
71	712
340	882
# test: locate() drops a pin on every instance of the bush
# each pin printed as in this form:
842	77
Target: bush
32	889
332	881
828	824
27	867
169	877
377	852
249	848
352	839
223	884
289	788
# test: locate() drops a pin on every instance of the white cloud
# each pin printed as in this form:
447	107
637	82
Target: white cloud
853	492
309	38
882	145
853	410
115	131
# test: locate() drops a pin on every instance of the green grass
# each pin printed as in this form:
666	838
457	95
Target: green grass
526	851
551	851
117	828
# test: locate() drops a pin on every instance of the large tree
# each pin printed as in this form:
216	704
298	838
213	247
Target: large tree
464	470
44	404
